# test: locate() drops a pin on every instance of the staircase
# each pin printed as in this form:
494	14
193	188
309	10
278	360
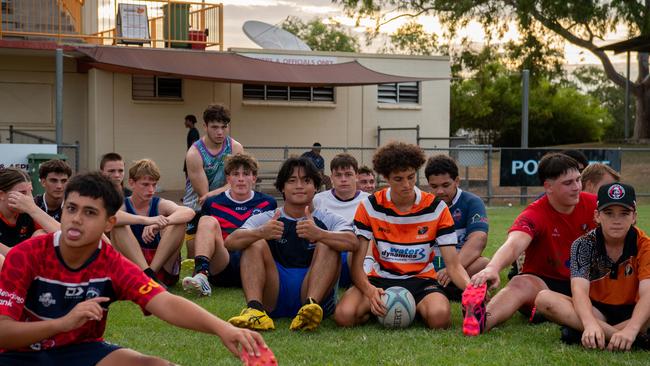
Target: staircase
36	20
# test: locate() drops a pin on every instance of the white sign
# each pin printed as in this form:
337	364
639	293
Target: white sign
132	24
294	59
15	155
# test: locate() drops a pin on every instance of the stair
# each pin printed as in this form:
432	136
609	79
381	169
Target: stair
36	16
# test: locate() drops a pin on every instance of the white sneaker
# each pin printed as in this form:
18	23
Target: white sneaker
198	283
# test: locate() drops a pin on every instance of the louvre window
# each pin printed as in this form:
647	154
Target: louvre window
288	93
399	93
156	87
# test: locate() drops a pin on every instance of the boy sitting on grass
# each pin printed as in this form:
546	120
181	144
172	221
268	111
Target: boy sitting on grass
55	291
610	279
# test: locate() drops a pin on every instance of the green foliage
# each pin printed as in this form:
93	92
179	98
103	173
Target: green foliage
412	39
320	36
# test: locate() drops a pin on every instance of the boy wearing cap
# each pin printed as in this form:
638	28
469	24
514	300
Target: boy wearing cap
610	279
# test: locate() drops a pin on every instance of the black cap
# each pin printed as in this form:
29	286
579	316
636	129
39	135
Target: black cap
616	194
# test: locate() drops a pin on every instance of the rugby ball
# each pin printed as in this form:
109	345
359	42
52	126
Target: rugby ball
400	308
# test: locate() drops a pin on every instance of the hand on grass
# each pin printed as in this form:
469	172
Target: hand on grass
593	337
621	340
250	341
82	313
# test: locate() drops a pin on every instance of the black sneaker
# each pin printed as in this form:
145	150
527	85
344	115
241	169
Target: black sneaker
570	335
642	341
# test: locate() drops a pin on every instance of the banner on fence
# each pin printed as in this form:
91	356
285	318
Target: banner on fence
15	155
519	166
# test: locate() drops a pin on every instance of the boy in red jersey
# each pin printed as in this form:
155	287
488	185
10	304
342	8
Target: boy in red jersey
405	223
610	279
55	291
545	231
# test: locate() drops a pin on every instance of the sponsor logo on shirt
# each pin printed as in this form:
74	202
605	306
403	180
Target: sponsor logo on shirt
478	218
256	211
145	289
457	214
556	233
46	299
240	208
628	269
74	292
7	299
92	293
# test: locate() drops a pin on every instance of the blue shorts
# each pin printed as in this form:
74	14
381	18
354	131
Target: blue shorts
345	280
289	301
79	354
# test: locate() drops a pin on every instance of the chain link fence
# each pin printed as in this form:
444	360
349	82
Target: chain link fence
71	151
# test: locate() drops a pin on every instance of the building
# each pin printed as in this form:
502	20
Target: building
119	106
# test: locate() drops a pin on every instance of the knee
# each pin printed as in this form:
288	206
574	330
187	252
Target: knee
208	223
437	318
544	303
345	316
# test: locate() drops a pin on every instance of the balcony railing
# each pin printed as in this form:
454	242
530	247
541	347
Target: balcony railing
147	23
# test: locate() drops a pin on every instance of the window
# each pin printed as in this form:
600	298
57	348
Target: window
156	87
288	93
399	93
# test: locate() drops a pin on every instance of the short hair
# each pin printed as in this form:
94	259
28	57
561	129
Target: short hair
96	185
365	170
54	166
111	156
578	155
342	161
316	144
9	177
441	164
144	167
553	165
594	173
290	164
216	113
241	160
191	118
397	157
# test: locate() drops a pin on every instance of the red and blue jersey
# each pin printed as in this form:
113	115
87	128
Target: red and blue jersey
36	284
232	214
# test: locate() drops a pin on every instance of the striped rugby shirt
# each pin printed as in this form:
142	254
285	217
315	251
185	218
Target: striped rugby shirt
404	242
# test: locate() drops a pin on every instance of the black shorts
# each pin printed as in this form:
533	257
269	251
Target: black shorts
230	276
452	292
80	354
614	314
561	286
418	287
193	224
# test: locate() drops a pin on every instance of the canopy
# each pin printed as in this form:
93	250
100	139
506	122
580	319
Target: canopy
232	67
639	44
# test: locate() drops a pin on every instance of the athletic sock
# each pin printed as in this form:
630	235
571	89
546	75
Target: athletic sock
202	264
149	272
254	304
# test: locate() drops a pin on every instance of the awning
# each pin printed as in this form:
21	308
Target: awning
636	44
232	67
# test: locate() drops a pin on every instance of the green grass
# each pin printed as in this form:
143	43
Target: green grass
513	343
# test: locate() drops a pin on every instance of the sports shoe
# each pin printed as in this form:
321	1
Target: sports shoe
308	318
570	335
474	315
197	283
252	319
266	358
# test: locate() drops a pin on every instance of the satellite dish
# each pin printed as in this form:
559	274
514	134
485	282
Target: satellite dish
271	37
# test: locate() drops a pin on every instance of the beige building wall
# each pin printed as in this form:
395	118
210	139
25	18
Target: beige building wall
101	114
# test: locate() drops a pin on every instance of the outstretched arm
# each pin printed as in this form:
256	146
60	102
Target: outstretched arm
183	313
515	244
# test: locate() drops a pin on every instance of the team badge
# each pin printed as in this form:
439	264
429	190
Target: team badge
628	269
616	192
422	230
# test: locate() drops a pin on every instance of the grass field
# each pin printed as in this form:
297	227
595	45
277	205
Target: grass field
513	343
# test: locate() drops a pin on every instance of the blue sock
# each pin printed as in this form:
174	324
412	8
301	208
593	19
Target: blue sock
202	265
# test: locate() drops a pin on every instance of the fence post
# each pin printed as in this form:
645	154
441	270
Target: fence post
489	174
286	152
11	134
76	156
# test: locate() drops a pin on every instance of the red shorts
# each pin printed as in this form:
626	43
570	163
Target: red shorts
167	278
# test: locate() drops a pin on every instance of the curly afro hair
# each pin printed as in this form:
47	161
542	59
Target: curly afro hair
397	157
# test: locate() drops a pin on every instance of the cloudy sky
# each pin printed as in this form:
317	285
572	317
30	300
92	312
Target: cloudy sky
236	12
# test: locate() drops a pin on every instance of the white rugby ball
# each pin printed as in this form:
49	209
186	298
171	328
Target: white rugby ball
400	308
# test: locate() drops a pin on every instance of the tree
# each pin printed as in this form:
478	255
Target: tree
320	36
579	22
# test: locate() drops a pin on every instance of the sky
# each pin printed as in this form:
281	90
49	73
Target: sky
236	12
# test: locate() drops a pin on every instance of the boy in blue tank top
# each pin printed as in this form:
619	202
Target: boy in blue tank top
205	162
159	242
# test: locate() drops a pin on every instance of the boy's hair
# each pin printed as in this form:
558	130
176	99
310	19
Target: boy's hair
9	177
54	166
594	173
578	155
441	164
553	165
243	160
191	118
342	161
96	185
144	167
397	157
365	170
216	113
111	156
290	164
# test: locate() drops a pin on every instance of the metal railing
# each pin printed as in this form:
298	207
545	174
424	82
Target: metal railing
149	23
71	151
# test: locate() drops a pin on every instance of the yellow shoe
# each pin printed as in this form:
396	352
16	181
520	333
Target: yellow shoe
252	319
308	318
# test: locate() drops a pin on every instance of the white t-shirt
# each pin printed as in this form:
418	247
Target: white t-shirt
345	209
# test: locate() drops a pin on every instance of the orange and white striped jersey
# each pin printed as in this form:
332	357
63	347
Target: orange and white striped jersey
404	241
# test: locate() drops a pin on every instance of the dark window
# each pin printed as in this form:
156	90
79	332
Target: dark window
288	93
156	87
399	93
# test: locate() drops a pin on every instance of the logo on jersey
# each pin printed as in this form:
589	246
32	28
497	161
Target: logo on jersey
92	293
478	218
240	208
145	289
46	299
457	214
256	211
556	233
422	230
74	292
616	192
628	269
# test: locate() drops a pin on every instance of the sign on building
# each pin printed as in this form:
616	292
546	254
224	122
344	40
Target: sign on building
132	24
15	155
519	166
